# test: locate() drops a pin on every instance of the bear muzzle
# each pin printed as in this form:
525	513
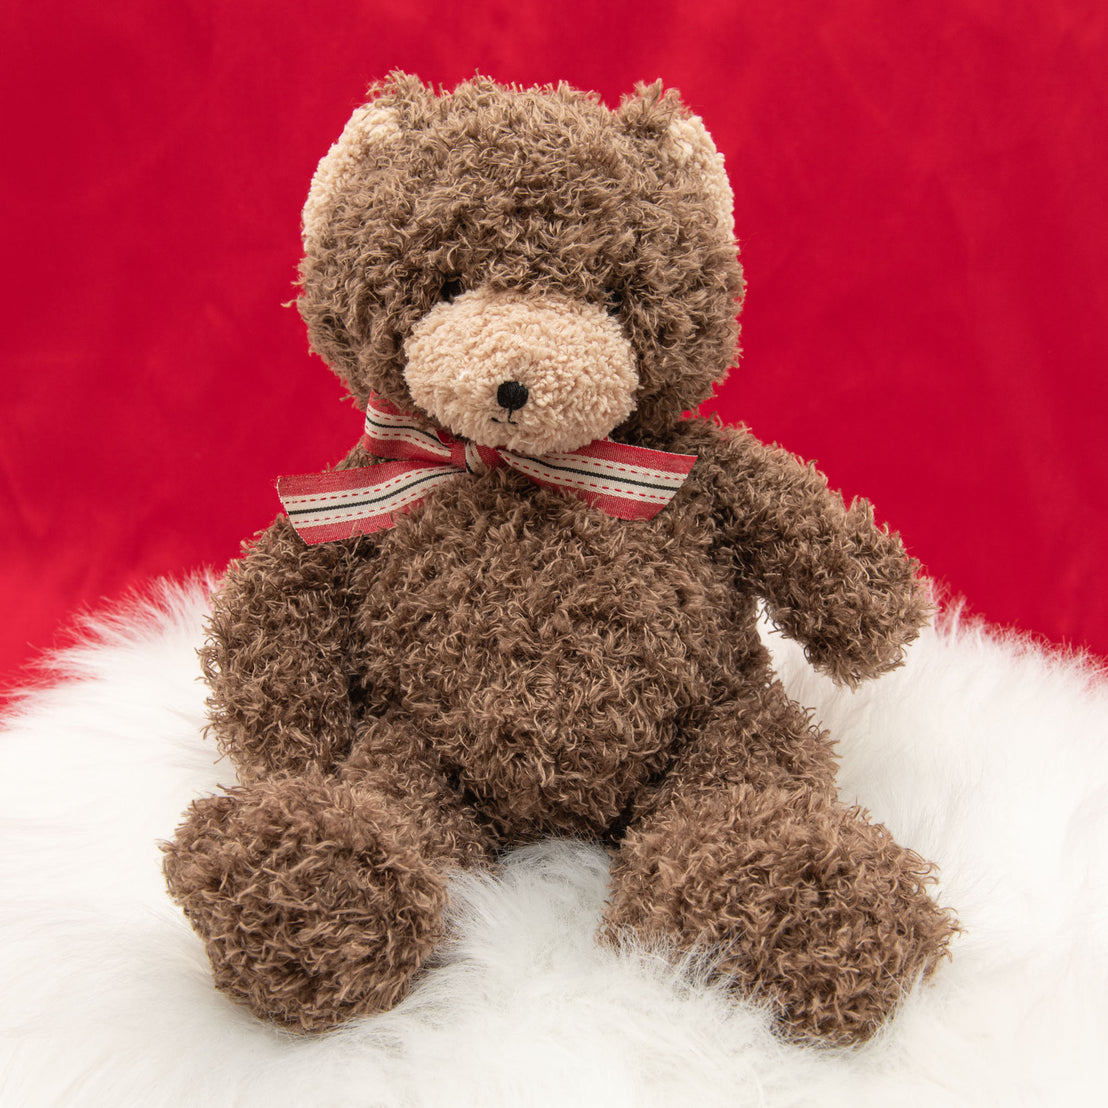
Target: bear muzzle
532	374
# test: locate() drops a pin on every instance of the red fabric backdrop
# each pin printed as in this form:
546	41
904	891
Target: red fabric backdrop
920	195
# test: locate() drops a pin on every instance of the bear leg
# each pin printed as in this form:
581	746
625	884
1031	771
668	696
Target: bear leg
798	900
318	898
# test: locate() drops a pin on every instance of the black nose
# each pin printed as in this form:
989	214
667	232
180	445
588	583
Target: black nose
511	395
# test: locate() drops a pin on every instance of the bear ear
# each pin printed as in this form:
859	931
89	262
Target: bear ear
374	126
393	107
682	142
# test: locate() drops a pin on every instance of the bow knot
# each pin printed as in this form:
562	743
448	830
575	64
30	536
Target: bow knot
627	482
459	454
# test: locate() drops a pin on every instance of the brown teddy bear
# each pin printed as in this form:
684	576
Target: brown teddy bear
525	603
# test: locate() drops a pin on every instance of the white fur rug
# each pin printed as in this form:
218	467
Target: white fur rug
989	757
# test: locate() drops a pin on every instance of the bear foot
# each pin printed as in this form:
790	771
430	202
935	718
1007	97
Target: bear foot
314	901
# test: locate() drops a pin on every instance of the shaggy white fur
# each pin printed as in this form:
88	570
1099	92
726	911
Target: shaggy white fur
988	756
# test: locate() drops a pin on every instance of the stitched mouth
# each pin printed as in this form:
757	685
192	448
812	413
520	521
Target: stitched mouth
513	422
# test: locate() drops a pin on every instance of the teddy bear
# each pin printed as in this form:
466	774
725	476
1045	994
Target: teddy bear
525	603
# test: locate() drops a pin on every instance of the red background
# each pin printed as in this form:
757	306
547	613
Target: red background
920	196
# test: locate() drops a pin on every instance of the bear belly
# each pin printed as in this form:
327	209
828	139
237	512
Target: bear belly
548	653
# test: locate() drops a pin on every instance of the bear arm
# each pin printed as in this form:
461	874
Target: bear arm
830	576
278	655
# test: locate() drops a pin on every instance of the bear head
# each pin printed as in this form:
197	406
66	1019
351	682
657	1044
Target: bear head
524	268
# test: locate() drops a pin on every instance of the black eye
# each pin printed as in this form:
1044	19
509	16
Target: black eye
451	289
613	301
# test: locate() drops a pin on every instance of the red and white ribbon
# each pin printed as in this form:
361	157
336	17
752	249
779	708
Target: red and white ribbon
627	482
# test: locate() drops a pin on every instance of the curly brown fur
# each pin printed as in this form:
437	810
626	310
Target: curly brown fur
315	901
505	662
830	577
281	632
744	851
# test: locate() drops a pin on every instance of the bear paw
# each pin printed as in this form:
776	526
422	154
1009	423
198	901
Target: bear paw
314	901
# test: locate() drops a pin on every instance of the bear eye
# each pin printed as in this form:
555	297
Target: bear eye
452	288
613	300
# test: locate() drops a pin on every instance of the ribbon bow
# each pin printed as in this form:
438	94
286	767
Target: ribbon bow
627	482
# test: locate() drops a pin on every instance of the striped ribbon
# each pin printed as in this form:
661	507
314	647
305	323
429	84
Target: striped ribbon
627	482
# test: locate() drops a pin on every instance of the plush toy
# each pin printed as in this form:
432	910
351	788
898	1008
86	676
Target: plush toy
525	603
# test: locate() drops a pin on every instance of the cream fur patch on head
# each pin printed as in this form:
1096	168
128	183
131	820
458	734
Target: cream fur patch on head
533	374
372	125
